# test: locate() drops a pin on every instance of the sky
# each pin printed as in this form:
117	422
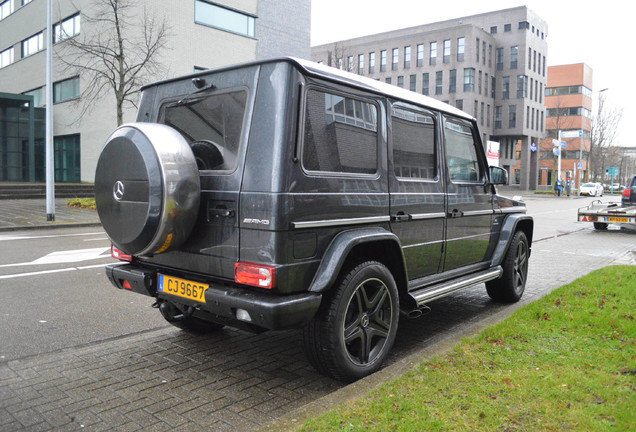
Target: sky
594	33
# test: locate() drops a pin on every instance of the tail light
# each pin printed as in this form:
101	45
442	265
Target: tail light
258	275
627	193
117	254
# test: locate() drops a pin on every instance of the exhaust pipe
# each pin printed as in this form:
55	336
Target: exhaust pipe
416	313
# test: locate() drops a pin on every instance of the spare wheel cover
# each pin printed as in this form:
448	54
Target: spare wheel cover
147	188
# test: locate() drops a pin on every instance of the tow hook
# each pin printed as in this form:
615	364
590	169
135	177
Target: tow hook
172	312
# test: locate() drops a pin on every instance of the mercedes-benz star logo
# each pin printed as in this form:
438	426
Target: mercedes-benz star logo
118	190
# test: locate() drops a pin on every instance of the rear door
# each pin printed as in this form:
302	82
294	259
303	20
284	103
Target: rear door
215	123
469	210
417	192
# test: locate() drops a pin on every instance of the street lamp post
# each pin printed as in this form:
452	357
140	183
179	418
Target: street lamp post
49	158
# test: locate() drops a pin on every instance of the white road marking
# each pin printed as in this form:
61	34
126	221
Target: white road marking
38	273
68	256
8	237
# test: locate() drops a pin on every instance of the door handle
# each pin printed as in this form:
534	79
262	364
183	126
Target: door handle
400	217
456	213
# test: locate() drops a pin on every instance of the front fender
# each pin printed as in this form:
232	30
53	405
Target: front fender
511	224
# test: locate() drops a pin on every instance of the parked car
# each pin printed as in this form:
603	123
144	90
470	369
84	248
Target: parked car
286	194
591	189
629	193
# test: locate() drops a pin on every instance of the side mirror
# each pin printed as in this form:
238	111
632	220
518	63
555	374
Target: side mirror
498	175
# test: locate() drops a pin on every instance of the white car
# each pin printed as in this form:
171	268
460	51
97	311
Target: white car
591	189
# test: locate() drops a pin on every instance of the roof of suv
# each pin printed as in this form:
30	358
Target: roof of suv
318	70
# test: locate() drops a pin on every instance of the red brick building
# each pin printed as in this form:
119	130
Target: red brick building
568	100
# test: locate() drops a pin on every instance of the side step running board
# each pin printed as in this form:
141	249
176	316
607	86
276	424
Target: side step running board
435	292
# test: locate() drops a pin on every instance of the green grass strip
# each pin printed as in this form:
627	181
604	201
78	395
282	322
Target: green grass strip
566	362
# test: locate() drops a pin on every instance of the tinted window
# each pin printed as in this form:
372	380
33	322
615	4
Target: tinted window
340	134
461	154
212	126
413	136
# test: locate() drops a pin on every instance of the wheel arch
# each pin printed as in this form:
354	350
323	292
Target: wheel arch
351	247
512	224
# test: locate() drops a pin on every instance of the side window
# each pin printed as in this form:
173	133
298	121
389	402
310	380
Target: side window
461	153
413	136
340	134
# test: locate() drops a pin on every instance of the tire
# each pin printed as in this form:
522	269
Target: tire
147	189
601	226
509	288
207	155
184	319
355	327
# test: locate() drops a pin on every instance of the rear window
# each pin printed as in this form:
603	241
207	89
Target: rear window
340	134
212	125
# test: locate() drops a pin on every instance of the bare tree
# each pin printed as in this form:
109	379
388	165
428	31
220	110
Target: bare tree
118	54
338	57
604	127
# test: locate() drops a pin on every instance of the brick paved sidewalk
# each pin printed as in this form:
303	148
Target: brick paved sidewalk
31	213
166	379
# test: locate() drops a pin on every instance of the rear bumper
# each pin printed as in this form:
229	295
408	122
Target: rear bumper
266	310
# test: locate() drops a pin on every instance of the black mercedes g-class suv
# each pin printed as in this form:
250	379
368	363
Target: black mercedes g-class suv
286	194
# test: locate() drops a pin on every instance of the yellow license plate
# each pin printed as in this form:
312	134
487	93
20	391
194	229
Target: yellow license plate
182	288
617	219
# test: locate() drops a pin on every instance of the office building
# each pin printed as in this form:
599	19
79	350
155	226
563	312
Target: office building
491	65
201	34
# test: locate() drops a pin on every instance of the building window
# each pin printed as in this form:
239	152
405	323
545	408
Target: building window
360	64
407	57
477	50
433	52
371	62
498	111
439	77
447	51
514	56
67	158
524	25
512	116
32	45
452	81
387	80
506	88
493	30
224	19
349	63
395	58
383	61
522	86
507	27
66	29
38	96
400	81
412	82
459	104
469	79
420	55
485	84
66	90
461	47
6	57
479	82
493	86
425	81
499	58
6	9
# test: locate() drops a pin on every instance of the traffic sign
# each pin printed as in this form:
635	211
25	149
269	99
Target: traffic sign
572	134
613	171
